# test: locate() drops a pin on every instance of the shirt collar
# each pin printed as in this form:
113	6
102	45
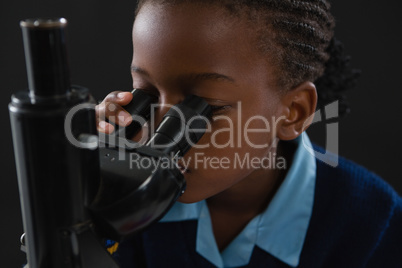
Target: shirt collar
280	230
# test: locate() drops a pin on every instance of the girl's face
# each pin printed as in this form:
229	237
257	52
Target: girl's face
189	49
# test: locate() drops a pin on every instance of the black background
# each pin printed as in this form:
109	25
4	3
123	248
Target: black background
99	42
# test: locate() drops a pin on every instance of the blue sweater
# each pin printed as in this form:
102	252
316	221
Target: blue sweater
356	222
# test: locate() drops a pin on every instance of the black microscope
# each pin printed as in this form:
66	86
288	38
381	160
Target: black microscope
77	187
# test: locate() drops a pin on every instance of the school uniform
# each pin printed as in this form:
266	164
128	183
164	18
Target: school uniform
328	212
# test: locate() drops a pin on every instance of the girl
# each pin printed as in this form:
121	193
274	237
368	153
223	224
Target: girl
259	64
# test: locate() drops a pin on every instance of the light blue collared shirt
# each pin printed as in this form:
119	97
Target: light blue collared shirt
280	230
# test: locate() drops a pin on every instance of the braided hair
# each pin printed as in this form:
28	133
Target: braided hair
302	46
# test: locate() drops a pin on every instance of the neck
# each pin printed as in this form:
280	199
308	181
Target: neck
249	198
252	194
232	209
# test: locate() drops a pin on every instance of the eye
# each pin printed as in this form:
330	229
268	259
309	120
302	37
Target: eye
149	91
219	109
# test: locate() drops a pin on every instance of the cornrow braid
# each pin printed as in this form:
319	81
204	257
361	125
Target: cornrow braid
304	8
296	36
301	28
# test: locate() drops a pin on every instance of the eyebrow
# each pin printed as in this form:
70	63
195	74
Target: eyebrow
191	76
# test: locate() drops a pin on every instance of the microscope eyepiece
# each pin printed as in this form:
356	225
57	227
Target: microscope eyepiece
46	57
182	126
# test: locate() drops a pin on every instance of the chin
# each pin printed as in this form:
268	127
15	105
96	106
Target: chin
189	197
186	200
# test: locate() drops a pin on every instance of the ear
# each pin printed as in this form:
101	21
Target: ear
298	104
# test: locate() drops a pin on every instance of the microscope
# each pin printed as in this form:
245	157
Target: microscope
78	187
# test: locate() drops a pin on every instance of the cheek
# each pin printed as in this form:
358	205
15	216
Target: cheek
258	133
226	161
252	132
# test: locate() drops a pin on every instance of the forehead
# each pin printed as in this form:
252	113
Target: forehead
188	38
188	18
204	34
